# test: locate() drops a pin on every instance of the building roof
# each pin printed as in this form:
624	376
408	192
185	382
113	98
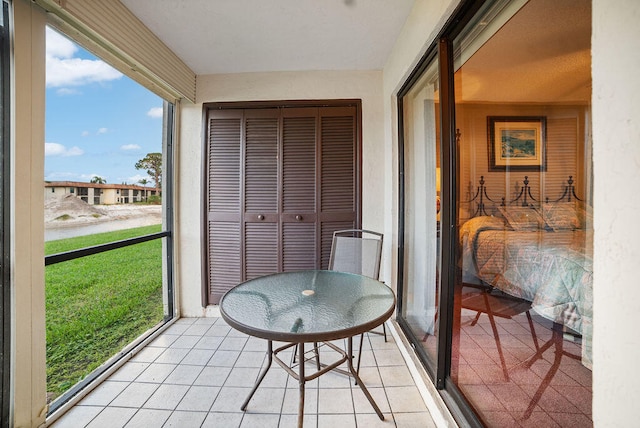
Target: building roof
96	185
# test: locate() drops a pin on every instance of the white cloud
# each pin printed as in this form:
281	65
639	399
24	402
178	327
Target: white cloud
72	176
136	178
130	147
67	91
85	133
65	70
61	176
55	149
59	46
88	177
155	112
102	131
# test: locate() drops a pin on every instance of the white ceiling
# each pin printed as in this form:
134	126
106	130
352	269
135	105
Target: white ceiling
550	64
542	54
235	36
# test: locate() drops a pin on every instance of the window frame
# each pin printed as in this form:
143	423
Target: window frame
5	218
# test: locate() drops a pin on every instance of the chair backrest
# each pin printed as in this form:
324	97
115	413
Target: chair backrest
356	251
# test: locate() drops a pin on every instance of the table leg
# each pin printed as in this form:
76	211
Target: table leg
262	375
301	381
359	381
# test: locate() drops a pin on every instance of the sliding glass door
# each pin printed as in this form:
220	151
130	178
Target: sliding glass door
421	265
512	304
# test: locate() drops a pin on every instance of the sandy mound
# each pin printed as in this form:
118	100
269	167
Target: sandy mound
70	210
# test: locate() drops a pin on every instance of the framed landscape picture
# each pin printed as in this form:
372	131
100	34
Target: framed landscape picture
517	143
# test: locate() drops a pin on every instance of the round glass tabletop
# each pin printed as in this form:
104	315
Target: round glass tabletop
307	306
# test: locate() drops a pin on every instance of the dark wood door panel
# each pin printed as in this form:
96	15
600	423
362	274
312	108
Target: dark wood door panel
261	164
280	182
299	246
338	155
260	217
224	164
260	249
224	258
299	162
299	216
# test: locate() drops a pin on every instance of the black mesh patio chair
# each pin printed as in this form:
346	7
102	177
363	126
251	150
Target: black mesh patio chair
357	251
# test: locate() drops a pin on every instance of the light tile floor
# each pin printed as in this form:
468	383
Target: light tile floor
199	371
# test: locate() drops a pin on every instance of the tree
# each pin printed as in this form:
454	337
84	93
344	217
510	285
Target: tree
152	163
144	182
98	180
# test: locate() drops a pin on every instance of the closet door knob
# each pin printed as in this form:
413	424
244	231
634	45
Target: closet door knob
299	217
260	217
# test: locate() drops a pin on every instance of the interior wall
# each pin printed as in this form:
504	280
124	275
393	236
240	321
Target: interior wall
563	146
616	155
312	85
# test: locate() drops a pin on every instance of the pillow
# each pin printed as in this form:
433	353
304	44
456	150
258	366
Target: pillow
485	222
522	218
561	216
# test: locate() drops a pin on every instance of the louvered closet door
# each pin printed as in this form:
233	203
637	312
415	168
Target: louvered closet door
224	203
299	196
261	216
280	182
338	184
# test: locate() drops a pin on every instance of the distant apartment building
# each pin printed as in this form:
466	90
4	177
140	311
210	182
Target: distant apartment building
100	194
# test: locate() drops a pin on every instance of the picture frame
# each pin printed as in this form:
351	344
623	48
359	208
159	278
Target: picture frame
517	143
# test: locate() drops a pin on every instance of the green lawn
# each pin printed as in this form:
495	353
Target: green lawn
96	305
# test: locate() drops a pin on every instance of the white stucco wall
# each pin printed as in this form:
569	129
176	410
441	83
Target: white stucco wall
364	85
616	154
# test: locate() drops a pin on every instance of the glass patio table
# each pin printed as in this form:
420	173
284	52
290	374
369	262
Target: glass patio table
308	307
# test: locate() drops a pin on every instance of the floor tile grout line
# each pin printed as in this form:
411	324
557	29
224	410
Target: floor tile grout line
384	388
369	345
219	389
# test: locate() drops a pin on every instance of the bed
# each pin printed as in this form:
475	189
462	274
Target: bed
539	252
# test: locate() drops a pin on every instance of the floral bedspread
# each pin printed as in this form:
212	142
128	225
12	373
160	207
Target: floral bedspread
551	269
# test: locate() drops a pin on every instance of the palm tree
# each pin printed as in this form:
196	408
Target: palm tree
144	182
98	180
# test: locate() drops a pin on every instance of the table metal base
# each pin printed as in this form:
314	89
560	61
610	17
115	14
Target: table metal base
302	378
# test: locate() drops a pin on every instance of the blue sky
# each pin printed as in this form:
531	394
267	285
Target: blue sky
98	121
